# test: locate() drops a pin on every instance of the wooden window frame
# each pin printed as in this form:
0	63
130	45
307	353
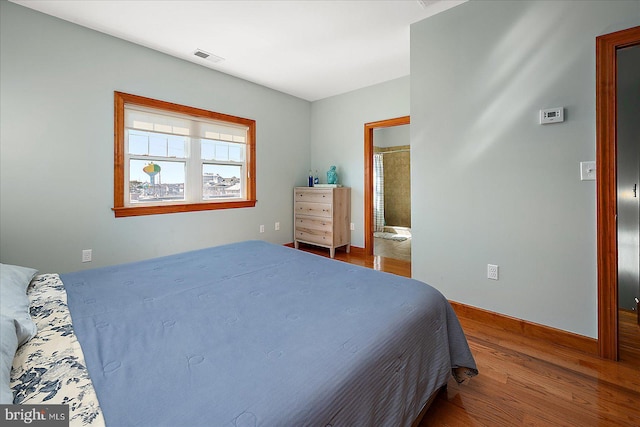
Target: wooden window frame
119	208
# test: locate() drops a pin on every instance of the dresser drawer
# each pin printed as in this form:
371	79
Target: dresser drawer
313	223
314	196
313	209
314	236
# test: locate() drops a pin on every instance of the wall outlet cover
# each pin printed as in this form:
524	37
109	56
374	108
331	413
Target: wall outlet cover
492	272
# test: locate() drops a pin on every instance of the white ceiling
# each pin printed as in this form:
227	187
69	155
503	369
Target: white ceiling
311	49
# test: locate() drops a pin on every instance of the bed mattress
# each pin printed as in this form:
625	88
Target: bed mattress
256	334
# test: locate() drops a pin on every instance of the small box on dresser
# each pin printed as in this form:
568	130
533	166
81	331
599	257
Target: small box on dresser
322	217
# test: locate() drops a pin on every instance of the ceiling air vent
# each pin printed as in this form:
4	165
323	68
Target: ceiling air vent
201	54
208	56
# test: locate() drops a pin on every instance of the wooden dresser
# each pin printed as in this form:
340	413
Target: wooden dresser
322	217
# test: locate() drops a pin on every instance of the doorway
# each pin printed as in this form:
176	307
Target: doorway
392	193
607	47
369	129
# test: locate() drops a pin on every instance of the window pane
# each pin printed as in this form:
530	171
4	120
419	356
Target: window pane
138	143
221	181
153	182
236	152
152	144
222	151
158	145
177	147
214	150
207	149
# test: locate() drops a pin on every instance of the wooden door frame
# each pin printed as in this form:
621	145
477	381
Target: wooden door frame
368	174
606	185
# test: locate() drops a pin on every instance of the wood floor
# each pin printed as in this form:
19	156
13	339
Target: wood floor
392	248
530	382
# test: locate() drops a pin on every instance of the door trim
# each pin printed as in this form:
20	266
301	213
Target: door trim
606	185
368	174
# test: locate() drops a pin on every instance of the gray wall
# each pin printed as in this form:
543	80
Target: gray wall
57	81
337	136
491	185
628	176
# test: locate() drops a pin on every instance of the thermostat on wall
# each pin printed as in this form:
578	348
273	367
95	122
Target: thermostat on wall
552	115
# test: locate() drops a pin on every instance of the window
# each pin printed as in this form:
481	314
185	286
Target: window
173	158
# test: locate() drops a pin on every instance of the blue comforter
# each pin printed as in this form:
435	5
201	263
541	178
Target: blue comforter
255	334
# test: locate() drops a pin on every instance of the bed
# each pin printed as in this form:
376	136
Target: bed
246	334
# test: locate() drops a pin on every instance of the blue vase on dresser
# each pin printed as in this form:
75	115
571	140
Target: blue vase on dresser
332	175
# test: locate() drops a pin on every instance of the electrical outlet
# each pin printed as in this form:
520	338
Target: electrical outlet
352	227
492	272
86	255
262	228
277	226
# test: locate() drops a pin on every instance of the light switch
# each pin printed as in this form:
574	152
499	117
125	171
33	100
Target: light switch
587	171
